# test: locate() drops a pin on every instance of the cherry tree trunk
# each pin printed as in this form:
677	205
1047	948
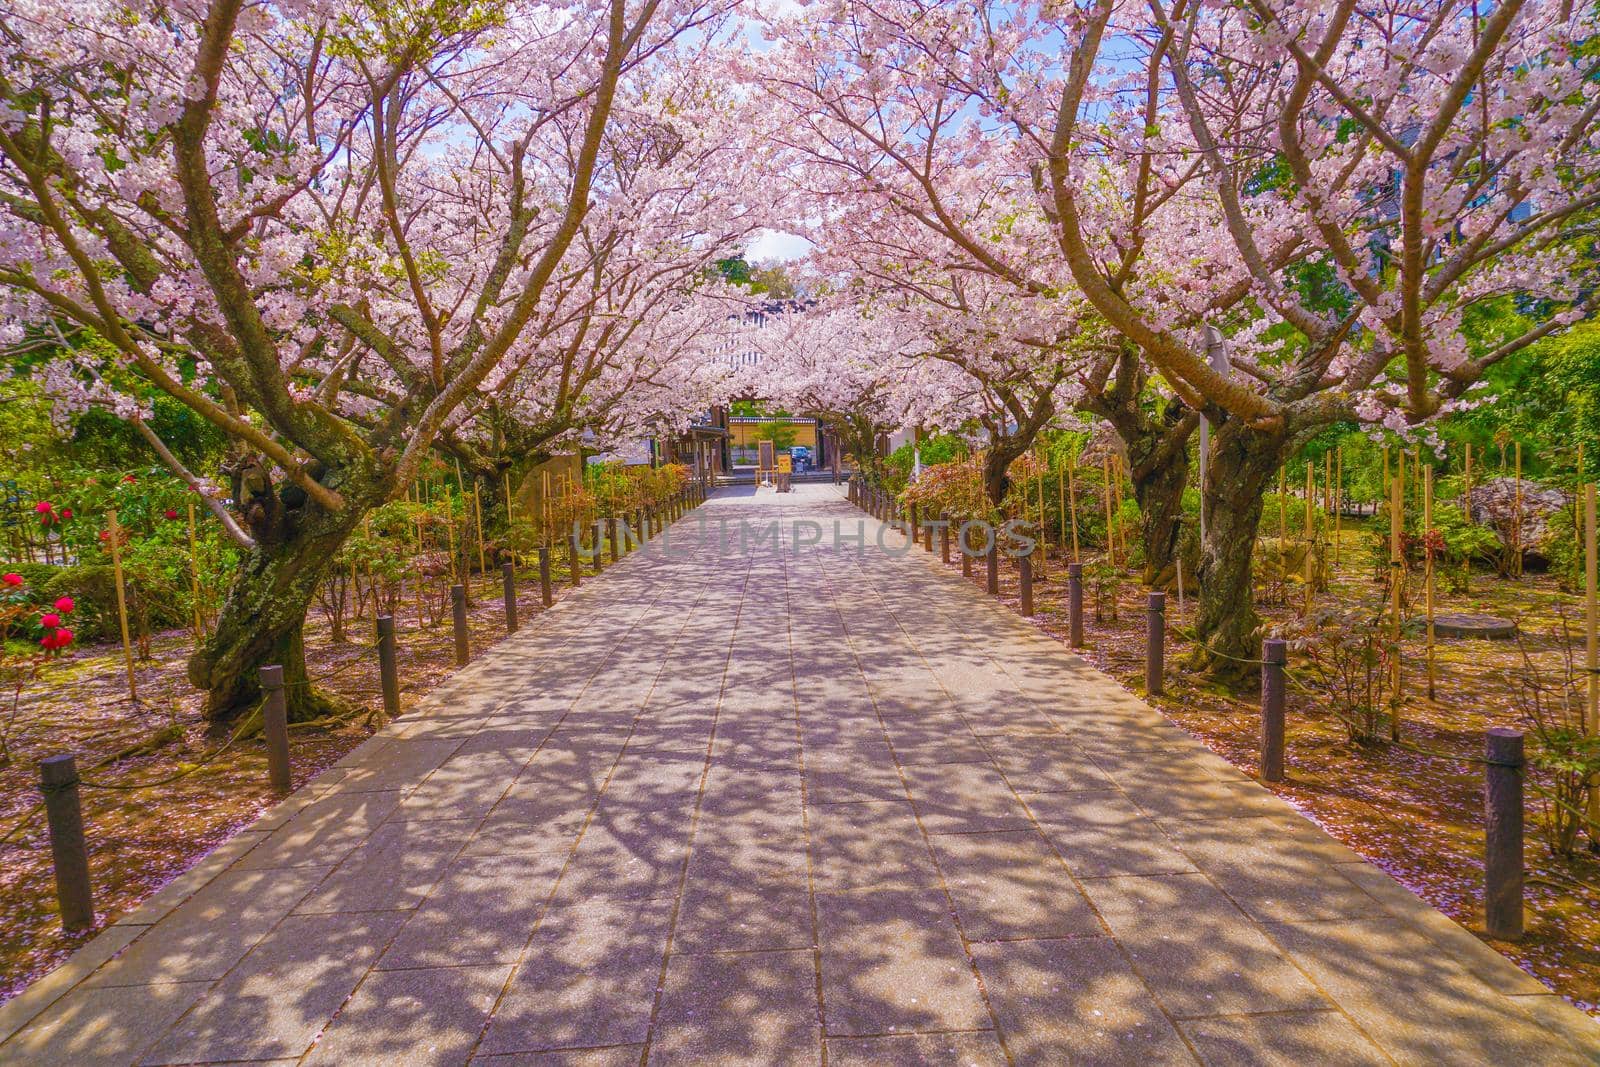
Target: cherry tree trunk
1243	466
263	620
1159	491
997	460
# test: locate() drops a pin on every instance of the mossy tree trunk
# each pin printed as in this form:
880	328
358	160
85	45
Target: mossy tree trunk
263	619
1158	487
1002	451
1243	465
1155	431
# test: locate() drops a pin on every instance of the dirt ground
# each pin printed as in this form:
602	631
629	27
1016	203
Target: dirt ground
1418	816
141	836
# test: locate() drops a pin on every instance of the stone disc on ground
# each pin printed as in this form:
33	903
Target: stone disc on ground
1483	627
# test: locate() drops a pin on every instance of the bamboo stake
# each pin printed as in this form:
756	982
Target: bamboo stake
477	507
510	540
422	547
544	507
1105	475
1311	574
115	533
1311	490
450	535
1283	514
1044	539
194	579
1577	502
1591	660
1397	496
372	589
1427	572
1338	501
1061	500
1072	500
1516	538
1466	514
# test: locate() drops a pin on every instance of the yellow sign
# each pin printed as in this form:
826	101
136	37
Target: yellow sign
785	463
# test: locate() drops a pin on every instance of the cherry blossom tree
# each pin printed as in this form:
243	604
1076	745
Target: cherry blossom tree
630	329
836	362
1341	192
322	226
919	183
1377	182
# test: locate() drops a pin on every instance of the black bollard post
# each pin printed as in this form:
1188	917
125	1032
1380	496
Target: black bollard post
508	575
1025	581
916	524
545	595
944	537
575	560
388	666
1502	852
1274	654
966	553
992	561
1075	604
275	727
58	781
1155	644
599	543
458	612
616	539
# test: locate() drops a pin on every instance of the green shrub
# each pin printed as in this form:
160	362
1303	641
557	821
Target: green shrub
153	599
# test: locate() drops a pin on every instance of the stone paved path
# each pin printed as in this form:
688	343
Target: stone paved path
772	807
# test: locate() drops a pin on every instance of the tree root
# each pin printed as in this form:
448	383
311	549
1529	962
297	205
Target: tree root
160	739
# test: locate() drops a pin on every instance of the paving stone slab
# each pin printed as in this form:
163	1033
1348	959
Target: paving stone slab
1011	884
428	1016
1075	1000
587	979
280	996
1281	1039
1419	1004
893	962
93	1026
213	930
977	1049
739	1008
1198	953
869	845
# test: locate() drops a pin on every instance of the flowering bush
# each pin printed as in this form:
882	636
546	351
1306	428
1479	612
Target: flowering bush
20	665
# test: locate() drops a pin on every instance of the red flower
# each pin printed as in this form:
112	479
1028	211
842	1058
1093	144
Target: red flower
13	579
63	638
65	605
50	621
66	513
172	513
130	478
43	507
